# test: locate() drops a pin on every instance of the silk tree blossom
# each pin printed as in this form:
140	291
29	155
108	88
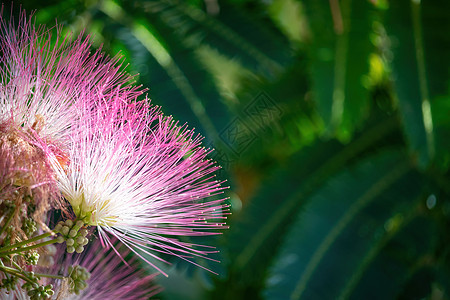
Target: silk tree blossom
41	78
72	125
140	177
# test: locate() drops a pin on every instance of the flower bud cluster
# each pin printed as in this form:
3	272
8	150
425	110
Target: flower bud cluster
9	283
73	234
36	291
31	257
78	277
41	292
29	226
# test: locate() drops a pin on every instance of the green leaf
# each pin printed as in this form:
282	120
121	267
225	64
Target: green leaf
288	15
440	108
339	62
236	34
343	229
256	232
143	32
420	66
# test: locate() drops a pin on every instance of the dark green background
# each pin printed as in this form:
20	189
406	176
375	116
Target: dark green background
331	122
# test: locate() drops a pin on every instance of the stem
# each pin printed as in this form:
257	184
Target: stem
15	272
28	248
16	265
40	274
23	275
36	238
50	276
1	262
8	221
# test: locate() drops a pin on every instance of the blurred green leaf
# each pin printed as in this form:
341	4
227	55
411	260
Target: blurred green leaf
288	15
145	34
228	73
235	34
420	67
256	232
345	225
440	108
339	58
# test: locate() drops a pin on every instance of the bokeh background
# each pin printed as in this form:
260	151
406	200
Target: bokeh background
331	121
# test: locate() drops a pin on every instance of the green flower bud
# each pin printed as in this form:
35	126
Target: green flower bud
65	230
80	240
79	224
58	228
73	233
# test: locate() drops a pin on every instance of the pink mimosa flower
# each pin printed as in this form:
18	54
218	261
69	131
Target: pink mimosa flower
140	177
42	77
122	166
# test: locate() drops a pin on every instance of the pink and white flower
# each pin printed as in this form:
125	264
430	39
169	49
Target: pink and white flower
122	166
140	177
42	77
